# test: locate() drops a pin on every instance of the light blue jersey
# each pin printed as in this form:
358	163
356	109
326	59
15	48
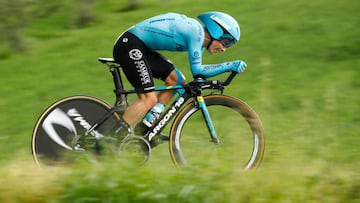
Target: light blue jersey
177	32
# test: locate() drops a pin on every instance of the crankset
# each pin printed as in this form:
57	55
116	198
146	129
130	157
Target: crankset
136	148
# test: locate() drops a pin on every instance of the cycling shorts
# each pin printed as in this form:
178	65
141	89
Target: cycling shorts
139	63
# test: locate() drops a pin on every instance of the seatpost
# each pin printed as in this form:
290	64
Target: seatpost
121	99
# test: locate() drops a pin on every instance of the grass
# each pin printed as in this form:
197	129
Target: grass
302	80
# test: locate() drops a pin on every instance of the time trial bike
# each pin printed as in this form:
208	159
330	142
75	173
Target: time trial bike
206	125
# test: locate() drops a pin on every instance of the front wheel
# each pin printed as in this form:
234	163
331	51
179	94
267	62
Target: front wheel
64	122
238	128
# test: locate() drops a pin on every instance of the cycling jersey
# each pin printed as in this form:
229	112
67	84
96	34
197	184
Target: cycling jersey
173	32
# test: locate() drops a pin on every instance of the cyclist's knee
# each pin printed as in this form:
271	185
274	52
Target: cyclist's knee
175	78
180	77
148	99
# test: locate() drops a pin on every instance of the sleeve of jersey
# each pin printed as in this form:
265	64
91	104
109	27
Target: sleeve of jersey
206	70
210	70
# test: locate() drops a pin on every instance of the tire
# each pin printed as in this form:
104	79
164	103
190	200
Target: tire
238	128
55	130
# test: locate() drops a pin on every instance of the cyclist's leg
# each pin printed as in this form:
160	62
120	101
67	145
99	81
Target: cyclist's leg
134	57
140	65
137	109
174	78
162	69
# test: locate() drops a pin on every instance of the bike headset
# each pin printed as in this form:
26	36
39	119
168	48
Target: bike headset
221	26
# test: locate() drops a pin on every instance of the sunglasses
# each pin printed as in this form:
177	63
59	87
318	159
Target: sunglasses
227	41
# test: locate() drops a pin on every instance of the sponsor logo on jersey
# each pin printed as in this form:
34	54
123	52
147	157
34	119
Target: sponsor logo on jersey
142	69
135	54
143	72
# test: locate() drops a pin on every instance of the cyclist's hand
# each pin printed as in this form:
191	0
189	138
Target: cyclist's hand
238	66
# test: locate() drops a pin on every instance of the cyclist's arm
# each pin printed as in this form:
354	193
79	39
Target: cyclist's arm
195	50
209	70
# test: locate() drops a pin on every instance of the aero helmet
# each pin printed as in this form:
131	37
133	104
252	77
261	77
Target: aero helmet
221	25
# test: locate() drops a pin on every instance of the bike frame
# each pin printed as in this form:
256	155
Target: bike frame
185	92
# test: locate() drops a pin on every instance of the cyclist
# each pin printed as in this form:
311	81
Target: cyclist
136	51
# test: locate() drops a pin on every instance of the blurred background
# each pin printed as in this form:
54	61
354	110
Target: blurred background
302	80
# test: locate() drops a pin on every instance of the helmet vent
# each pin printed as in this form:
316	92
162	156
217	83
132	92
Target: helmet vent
220	22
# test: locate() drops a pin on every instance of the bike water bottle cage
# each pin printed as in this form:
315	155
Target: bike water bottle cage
153	114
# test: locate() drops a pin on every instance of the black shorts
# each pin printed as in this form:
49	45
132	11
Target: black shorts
140	64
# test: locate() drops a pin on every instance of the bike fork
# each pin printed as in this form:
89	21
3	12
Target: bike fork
206	115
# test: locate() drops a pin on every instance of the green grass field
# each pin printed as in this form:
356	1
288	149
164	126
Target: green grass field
302	79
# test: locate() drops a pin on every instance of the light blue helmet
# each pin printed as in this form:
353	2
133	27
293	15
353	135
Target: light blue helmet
221	25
